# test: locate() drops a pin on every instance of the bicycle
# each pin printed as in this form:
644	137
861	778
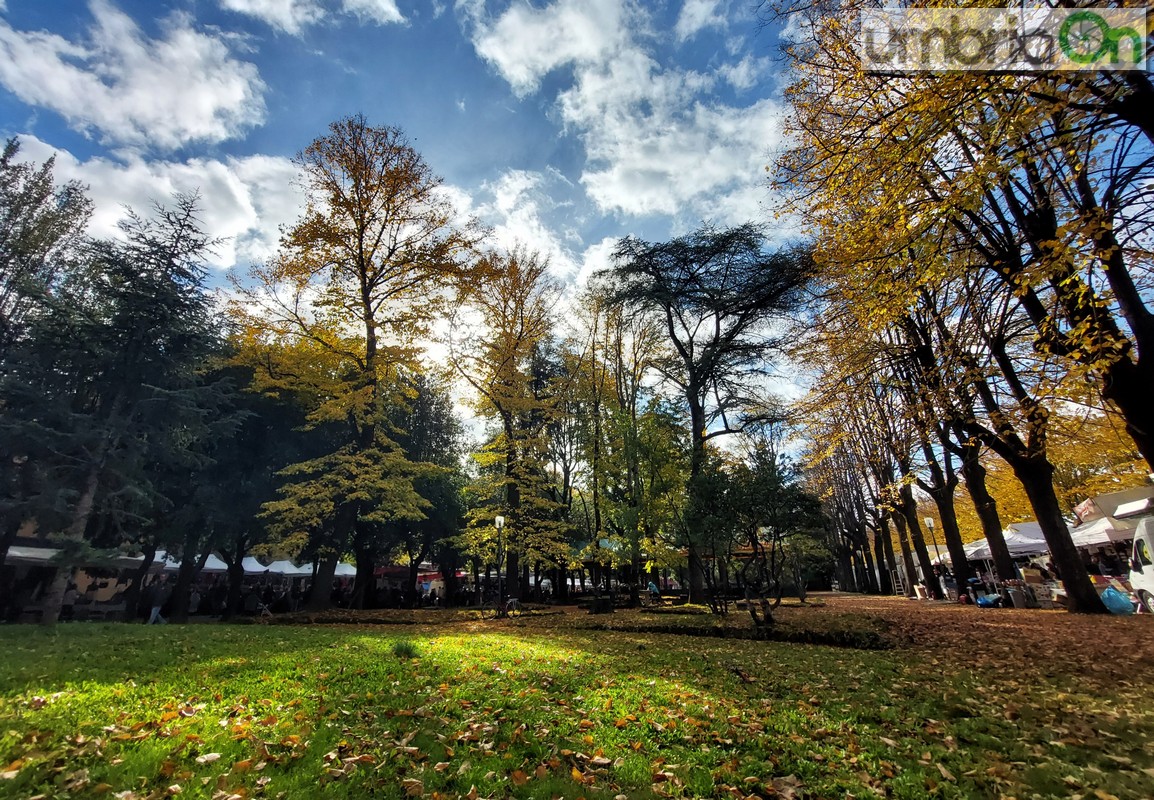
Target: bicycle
491	609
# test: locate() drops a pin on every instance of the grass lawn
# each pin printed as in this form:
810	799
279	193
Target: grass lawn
970	703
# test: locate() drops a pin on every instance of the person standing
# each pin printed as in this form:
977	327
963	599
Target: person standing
160	595
67	608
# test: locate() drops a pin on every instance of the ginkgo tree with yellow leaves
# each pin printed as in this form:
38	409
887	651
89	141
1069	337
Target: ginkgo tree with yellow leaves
337	318
504	324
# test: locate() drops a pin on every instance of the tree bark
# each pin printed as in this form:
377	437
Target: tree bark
886	565
910	512
54	597
1037	477
320	596
986	507
907	558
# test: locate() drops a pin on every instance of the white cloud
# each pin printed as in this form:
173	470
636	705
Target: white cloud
746	73
515	205
527	43
695	16
163	93
290	16
293	16
596	257
656	139
382	12
243	200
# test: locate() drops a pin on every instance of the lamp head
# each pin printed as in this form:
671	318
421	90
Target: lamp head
499	522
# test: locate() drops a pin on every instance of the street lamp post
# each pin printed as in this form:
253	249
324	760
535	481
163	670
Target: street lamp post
937	552
934	539
499	522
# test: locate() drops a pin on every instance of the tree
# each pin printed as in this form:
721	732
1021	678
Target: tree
358	280
715	292
106	392
41	226
498	347
1042	180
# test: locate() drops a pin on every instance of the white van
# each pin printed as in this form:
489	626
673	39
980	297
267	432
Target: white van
1142	564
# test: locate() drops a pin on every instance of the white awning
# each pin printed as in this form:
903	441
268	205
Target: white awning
1135	508
253	567
289	568
30	555
1103	531
1022	539
212	564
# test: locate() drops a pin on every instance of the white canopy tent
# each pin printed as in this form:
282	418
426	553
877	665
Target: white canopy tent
289	569
45	557
1022	539
30	555
1103	531
345	570
212	565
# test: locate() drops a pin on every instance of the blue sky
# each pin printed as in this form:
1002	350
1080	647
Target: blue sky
562	124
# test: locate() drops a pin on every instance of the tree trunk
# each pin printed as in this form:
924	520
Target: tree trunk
910	512
868	560
413	592
944	500
450	563
907	557
512	571
1128	388
1037	477
234	598
986	507
320	596
886	566
364	584
132	596
54	597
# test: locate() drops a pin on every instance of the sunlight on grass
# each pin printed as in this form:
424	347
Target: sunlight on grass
527	713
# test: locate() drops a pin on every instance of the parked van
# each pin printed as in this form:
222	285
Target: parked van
1142	564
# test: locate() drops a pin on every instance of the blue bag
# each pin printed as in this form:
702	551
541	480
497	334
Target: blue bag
1117	602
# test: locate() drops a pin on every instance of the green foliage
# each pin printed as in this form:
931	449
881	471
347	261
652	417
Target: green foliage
405	648
41	225
108	393
335	322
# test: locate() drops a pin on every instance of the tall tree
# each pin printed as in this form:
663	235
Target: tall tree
107	390
498	341
358	281
41	225
41	229
716	293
